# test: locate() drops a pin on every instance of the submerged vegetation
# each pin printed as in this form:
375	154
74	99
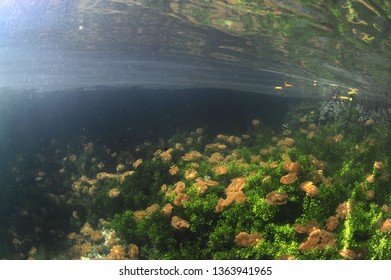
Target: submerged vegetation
315	189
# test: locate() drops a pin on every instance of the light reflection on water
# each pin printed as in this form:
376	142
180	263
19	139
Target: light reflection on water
346	43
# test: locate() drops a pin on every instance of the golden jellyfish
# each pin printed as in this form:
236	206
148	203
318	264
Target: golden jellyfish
234	140
151	209
378	164
191	174
288	141
311	135
385	226
209	182
265	152
167	210
179	187
234	194
244	239
216	158
309	188
105	175
295	167
347	253
276	198
166	155
312	127
179	223
158	152
137	163
201	186
385	208
287	132
173	170
120	167
343	210
286	257
86	230
96	236
164	188
86	248
332	223
255	122
179	147
128	173
311	226
237	184
304	131
299	228
133	251
116	253
181	198
93	191
194	164
370	179
220	170
369	122
318	239
316	176
139	215
114	192
75	215
193	155
317	163
255	159
266	179
263	164
189	140
288	179
200	131
370	194
238	197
